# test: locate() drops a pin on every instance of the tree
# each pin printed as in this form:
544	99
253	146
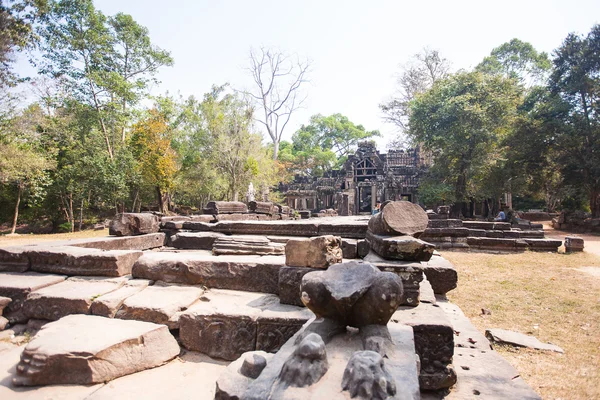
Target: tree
151	145
106	62
417	76
576	79
462	120
519	60
277	78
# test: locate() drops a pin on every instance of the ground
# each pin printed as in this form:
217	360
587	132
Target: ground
555	297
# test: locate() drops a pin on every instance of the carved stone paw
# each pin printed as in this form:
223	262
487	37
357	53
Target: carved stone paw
365	377
307	364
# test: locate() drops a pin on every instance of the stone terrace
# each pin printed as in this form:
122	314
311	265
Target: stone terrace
221	306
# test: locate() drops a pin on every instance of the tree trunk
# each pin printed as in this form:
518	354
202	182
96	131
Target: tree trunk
595	203
19	192
71	216
275	149
159	198
81	215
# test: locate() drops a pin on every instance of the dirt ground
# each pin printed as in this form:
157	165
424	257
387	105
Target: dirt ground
554	297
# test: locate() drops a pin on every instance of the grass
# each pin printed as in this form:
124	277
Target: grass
540	294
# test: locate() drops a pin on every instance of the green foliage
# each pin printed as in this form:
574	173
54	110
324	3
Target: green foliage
462	119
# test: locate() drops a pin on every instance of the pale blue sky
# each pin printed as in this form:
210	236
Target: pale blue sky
356	47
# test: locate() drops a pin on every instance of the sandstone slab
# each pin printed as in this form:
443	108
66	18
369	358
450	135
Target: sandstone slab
349	248
198	226
71	260
140	242
17	286
14	259
318	252
251	273
227	323
73	296
246	245
290	279
225	207
194	240
129	224
284	228
573	244
159	303
85	349
404	248
520	340
108	304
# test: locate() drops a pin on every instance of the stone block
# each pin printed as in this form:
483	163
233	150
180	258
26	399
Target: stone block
290	279
439	232
543	244
108	304
18	286
250	273
399	218
441	274
159	303
228	323
14	259
129	224
225	207
198	226
70	260
349	248
573	244
354	229
262	207
362	248
282	228
85	349
73	296
4	301
444	223
140	242
318	252
404	248
434	343
194	240
410	272
234	381
246	245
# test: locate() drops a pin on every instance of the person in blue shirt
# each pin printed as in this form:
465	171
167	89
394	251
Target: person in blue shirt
501	217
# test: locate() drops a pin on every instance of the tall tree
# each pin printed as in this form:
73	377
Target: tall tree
519	60
576	79
107	62
462	119
416	77
278	79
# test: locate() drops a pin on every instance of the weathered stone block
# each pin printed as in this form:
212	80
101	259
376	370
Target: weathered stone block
411	273
405	248
85	349
228	323
14	259
194	240
129	224
246	245
73	296
250	273
445	223
282	228
140	242
399	218
225	207
355	229
198	226
441	274
108	304
363	248
234	381
349	248
159	303
573	244
318	252
290	279
18	285
543	244
70	260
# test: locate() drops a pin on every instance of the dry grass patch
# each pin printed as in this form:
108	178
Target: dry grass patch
17	240
544	295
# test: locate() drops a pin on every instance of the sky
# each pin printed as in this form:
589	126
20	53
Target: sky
356	48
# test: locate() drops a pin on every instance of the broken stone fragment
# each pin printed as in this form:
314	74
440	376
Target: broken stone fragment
129	224
399	218
3	303
317	252
353	293
519	339
85	349
234	381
